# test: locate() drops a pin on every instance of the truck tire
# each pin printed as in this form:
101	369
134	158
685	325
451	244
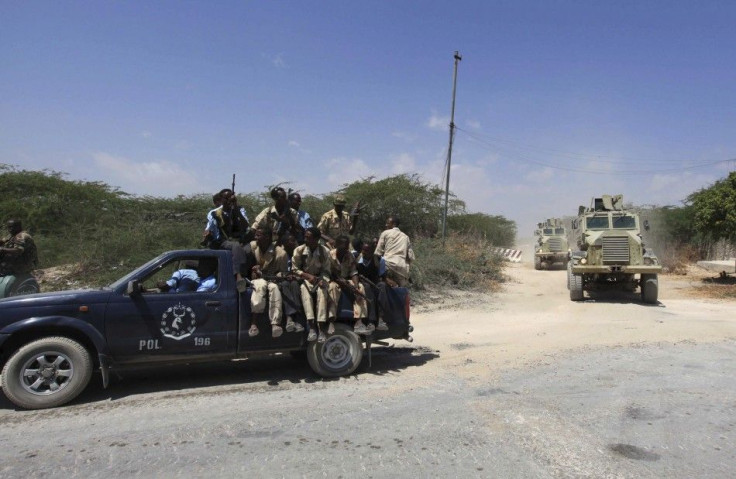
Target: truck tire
340	355
649	288
576	287
46	373
537	263
16	285
25	284
569	275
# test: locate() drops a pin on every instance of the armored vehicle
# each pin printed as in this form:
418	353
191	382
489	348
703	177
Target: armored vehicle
611	252
551	244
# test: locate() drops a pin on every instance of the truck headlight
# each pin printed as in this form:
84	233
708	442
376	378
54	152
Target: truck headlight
583	261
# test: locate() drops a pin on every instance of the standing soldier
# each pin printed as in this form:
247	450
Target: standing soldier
265	261
337	221
311	262
344	275
18	253
279	217
395	248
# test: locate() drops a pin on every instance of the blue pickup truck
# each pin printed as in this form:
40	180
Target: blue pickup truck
51	343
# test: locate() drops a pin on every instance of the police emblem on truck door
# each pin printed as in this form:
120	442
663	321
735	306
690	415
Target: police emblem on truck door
178	322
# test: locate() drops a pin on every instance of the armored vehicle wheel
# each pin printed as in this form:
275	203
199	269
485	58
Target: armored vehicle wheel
340	355
649	288
47	372
569	274
576	287
537	262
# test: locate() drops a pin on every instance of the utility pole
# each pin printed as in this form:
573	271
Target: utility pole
449	149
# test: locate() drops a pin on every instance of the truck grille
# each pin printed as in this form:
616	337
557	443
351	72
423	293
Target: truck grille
555	245
616	250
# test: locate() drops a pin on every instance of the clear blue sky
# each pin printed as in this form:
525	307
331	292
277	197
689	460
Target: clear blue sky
556	102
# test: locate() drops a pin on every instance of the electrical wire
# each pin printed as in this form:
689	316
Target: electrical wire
578	169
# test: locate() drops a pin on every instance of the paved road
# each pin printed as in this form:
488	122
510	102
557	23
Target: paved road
525	385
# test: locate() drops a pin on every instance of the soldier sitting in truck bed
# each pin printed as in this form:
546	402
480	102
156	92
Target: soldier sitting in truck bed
265	261
344	274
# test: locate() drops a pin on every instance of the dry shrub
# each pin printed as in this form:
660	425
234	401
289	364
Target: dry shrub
466	262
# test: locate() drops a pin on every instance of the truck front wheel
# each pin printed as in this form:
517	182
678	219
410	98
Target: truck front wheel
339	355
46	373
649	288
576	287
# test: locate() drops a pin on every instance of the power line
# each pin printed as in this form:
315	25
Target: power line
578	169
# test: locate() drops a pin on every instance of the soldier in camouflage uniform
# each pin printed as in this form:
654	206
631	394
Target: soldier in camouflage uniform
336	222
18	251
311	262
344	274
280	217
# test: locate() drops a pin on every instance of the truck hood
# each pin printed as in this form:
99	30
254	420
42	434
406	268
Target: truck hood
56	298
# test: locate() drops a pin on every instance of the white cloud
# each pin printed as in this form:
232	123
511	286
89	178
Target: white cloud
146	134
403	163
158	178
437	122
403	135
346	170
540	175
473	124
293	143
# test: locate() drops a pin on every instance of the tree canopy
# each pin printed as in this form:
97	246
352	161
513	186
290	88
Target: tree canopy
714	209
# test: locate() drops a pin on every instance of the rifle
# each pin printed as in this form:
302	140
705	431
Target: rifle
289	223
350	288
233	185
357	208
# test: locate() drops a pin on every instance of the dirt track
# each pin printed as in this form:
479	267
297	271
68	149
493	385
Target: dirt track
525	383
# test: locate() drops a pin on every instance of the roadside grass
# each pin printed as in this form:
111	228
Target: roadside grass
466	262
717	288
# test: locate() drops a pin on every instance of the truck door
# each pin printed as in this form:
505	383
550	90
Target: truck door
158	322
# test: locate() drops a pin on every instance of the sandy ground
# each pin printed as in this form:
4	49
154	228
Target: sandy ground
524	383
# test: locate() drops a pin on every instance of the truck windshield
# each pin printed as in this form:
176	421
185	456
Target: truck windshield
597	223
548	231
559	231
624	222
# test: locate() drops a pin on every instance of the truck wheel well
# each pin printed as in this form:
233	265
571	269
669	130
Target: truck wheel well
18	339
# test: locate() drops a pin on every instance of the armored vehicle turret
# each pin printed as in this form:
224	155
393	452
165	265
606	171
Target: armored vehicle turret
551	246
612	252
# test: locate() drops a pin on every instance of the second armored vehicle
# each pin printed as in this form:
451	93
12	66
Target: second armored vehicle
551	244
611	252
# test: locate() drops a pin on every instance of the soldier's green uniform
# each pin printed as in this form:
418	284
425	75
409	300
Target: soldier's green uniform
334	224
19	254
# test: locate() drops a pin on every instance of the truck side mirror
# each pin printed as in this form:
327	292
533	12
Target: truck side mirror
574	224
134	287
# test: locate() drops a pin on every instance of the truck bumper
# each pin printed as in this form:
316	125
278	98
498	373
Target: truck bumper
612	269
552	256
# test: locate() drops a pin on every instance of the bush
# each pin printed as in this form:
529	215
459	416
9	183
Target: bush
466	262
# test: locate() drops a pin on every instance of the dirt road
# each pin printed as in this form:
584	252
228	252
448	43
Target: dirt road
522	384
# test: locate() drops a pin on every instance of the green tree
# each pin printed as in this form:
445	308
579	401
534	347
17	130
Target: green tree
498	230
418	203
714	209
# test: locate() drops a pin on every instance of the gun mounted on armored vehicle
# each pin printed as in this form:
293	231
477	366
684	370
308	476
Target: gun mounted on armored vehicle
611	252
551	244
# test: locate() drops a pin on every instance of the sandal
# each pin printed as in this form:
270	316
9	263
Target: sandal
276	331
253	331
331	328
